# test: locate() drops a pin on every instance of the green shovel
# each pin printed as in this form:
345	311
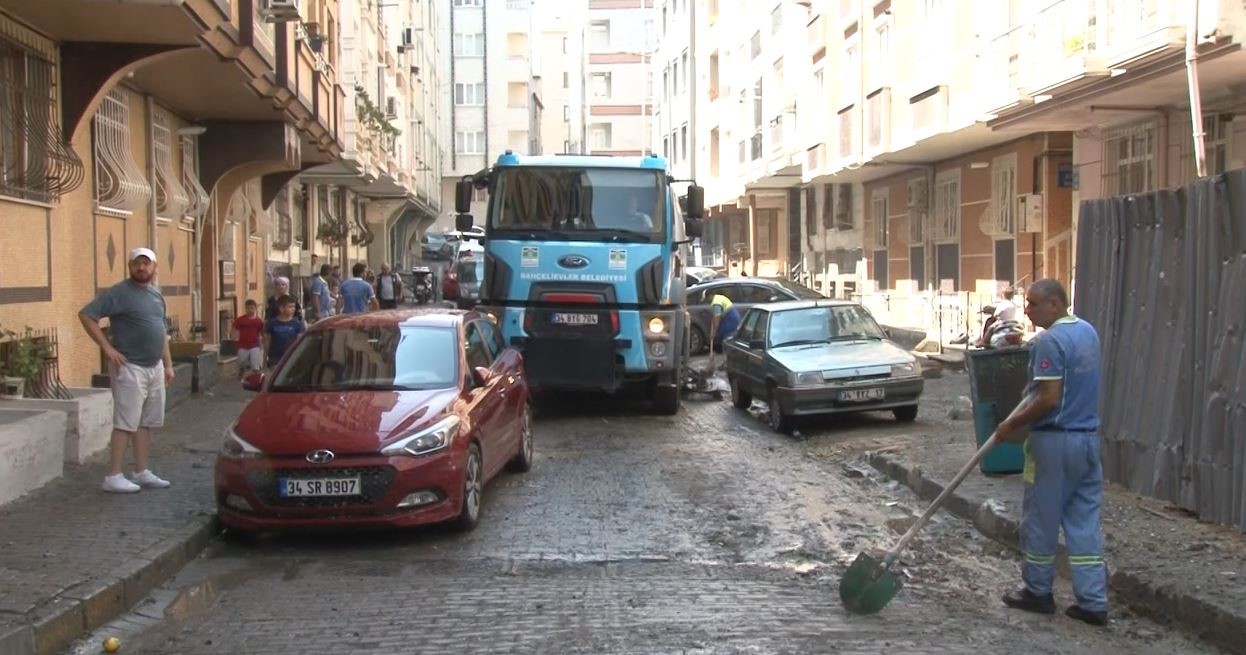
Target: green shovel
869	585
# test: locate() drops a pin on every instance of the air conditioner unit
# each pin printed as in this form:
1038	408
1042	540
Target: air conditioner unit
279	11
917	195
391	107
1030	212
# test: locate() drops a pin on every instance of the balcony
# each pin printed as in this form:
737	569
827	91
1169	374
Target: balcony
1144	30
1062	52
878	122
816	30
518	68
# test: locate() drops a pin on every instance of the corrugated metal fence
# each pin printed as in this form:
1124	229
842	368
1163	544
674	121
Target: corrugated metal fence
1162	276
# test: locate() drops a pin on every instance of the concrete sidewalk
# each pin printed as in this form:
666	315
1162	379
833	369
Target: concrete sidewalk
73	557
1162	562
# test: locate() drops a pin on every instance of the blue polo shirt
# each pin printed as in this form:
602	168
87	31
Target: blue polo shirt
1068	351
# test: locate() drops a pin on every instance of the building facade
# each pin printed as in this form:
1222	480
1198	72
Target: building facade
167	126
622	37
941	147
561	65
493	90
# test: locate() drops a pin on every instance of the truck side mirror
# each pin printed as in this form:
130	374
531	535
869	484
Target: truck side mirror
694	227
463	196
463	222
696	201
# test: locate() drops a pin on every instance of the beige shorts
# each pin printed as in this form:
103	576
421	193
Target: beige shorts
137	396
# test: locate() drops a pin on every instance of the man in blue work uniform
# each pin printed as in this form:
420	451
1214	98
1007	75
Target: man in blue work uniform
1063	467
724	321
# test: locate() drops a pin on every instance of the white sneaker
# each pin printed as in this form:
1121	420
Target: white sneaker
117	484
149	480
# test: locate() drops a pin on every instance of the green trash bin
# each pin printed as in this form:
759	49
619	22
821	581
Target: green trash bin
997	381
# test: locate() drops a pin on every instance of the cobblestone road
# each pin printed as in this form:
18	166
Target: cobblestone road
702	532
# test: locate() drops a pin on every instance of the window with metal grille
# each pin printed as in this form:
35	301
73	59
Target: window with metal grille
879	213
35	162
119	181
1129	159
1001	220
828	206
946	225
171	199
811	211
196	196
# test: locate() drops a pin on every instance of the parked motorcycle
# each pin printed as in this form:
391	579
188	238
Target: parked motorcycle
999	333
422	289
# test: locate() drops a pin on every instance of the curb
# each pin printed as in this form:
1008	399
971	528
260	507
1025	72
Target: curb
82	608
1218	625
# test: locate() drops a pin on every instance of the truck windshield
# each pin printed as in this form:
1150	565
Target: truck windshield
595	204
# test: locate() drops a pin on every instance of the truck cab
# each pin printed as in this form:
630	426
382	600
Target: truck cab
584	263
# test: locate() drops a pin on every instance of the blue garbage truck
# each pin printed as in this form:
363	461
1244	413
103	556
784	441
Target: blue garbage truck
584	268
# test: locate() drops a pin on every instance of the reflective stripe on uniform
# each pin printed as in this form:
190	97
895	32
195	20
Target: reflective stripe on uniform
1085	560
1040	560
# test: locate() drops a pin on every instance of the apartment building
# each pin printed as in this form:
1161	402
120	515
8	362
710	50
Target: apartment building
622	38
562	65
728	116
168	126
385	188
493	89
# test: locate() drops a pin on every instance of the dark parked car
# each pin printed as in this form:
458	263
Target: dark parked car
819	357
744	292
694	275
391	418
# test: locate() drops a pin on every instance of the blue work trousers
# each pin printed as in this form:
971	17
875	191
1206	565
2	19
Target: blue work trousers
1064	488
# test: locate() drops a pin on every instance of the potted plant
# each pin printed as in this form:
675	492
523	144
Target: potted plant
26	356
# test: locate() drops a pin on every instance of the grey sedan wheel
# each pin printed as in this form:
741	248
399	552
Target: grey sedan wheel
779	422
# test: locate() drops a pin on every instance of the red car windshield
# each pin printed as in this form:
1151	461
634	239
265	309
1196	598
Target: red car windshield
386	358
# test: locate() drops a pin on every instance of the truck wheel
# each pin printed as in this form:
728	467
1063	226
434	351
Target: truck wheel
666	398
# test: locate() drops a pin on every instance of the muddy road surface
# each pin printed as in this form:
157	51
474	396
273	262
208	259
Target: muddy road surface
699	533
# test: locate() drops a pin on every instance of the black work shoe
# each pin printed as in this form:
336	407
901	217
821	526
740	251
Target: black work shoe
1023	599
1087	616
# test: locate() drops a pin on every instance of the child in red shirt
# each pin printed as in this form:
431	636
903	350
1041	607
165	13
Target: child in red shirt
247	329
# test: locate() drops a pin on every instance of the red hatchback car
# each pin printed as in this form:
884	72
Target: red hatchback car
392	418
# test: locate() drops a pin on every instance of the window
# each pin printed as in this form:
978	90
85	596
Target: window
850	71
469	94
1129	160
754	294
1218	135
469	142
880	213
1003	196
33	162
755	45
666	147
683	79
564	47
599	35
811	211
828	204
776	19
683	141
566	80
675	77
946	226
601	85
476	346
358	357
171	199
120	183
748	327
469	45
881	59
601	135
468	3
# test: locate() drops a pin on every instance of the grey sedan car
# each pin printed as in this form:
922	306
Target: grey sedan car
819	357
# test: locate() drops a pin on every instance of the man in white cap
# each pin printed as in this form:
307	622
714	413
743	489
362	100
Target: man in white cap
139	366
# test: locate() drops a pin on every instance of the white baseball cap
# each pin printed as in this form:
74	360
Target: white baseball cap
142	252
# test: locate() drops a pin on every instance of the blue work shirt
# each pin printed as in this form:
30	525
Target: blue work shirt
1068	351
356	294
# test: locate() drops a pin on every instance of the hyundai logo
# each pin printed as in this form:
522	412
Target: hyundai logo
573	261
320	456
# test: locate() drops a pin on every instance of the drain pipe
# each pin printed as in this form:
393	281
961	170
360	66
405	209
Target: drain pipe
1196	102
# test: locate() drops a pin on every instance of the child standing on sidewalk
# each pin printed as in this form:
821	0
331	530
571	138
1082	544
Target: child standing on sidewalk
281	331
247	329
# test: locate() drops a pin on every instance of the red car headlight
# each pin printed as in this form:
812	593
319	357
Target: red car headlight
235	447
430	439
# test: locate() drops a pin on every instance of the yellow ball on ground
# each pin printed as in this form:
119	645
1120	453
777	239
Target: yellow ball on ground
112	645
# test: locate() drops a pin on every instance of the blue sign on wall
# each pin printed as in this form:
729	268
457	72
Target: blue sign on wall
1066	178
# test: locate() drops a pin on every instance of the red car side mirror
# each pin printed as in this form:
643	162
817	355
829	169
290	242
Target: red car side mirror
480	375
253	381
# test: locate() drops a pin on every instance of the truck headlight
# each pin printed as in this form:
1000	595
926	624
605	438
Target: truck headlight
814	377
904	370
657	325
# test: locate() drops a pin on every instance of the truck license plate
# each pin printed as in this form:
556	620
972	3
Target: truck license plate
291	488
862	395
569	318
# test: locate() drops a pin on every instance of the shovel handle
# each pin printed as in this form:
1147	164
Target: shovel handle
934	506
